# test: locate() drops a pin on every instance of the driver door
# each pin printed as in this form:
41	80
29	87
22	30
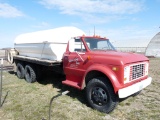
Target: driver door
74	61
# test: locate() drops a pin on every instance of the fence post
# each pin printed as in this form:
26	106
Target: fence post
1	82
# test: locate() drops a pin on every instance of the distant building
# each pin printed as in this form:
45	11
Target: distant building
153	48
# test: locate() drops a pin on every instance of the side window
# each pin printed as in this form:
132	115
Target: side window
79	46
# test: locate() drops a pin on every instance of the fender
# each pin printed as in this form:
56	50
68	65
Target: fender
107	71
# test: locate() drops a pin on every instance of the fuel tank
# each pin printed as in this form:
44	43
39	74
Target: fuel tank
47	44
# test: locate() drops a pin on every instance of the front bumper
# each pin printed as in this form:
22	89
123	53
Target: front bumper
127	91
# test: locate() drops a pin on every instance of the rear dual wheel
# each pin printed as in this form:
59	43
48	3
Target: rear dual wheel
20	70
30	74
100	95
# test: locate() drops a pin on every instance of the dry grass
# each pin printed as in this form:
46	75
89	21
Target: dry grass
31	101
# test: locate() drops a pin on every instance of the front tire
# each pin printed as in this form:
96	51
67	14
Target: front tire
100	95
30	74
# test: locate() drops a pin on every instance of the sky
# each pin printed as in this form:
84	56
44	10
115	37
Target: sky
127	23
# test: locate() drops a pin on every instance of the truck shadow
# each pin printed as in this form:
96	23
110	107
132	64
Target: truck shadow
56	79
51	77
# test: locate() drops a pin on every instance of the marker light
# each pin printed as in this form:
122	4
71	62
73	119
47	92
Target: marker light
88	57
115	68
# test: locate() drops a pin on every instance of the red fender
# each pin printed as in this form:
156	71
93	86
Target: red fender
107	71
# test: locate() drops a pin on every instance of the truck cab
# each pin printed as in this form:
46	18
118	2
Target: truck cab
93	64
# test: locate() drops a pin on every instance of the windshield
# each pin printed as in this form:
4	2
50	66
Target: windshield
98	44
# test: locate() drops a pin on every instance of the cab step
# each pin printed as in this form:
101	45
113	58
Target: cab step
71	83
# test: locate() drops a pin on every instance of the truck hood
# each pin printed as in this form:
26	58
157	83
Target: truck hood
119	58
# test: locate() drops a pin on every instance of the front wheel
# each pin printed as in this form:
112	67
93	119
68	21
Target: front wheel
100	95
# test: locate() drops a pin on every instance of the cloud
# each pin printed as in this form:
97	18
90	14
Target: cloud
96	11
8	11
95	6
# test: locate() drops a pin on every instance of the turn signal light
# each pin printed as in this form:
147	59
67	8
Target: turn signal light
125	79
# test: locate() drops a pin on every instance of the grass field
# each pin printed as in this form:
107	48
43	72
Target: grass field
24	101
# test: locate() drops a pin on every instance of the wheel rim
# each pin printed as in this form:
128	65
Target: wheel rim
99	96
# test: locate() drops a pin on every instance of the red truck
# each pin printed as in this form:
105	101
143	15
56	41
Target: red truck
92	64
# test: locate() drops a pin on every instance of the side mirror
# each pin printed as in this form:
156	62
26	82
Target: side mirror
72	45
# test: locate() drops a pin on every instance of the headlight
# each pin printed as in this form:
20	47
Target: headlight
126	74
146	68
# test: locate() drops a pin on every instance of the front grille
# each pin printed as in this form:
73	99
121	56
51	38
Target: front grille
137	71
